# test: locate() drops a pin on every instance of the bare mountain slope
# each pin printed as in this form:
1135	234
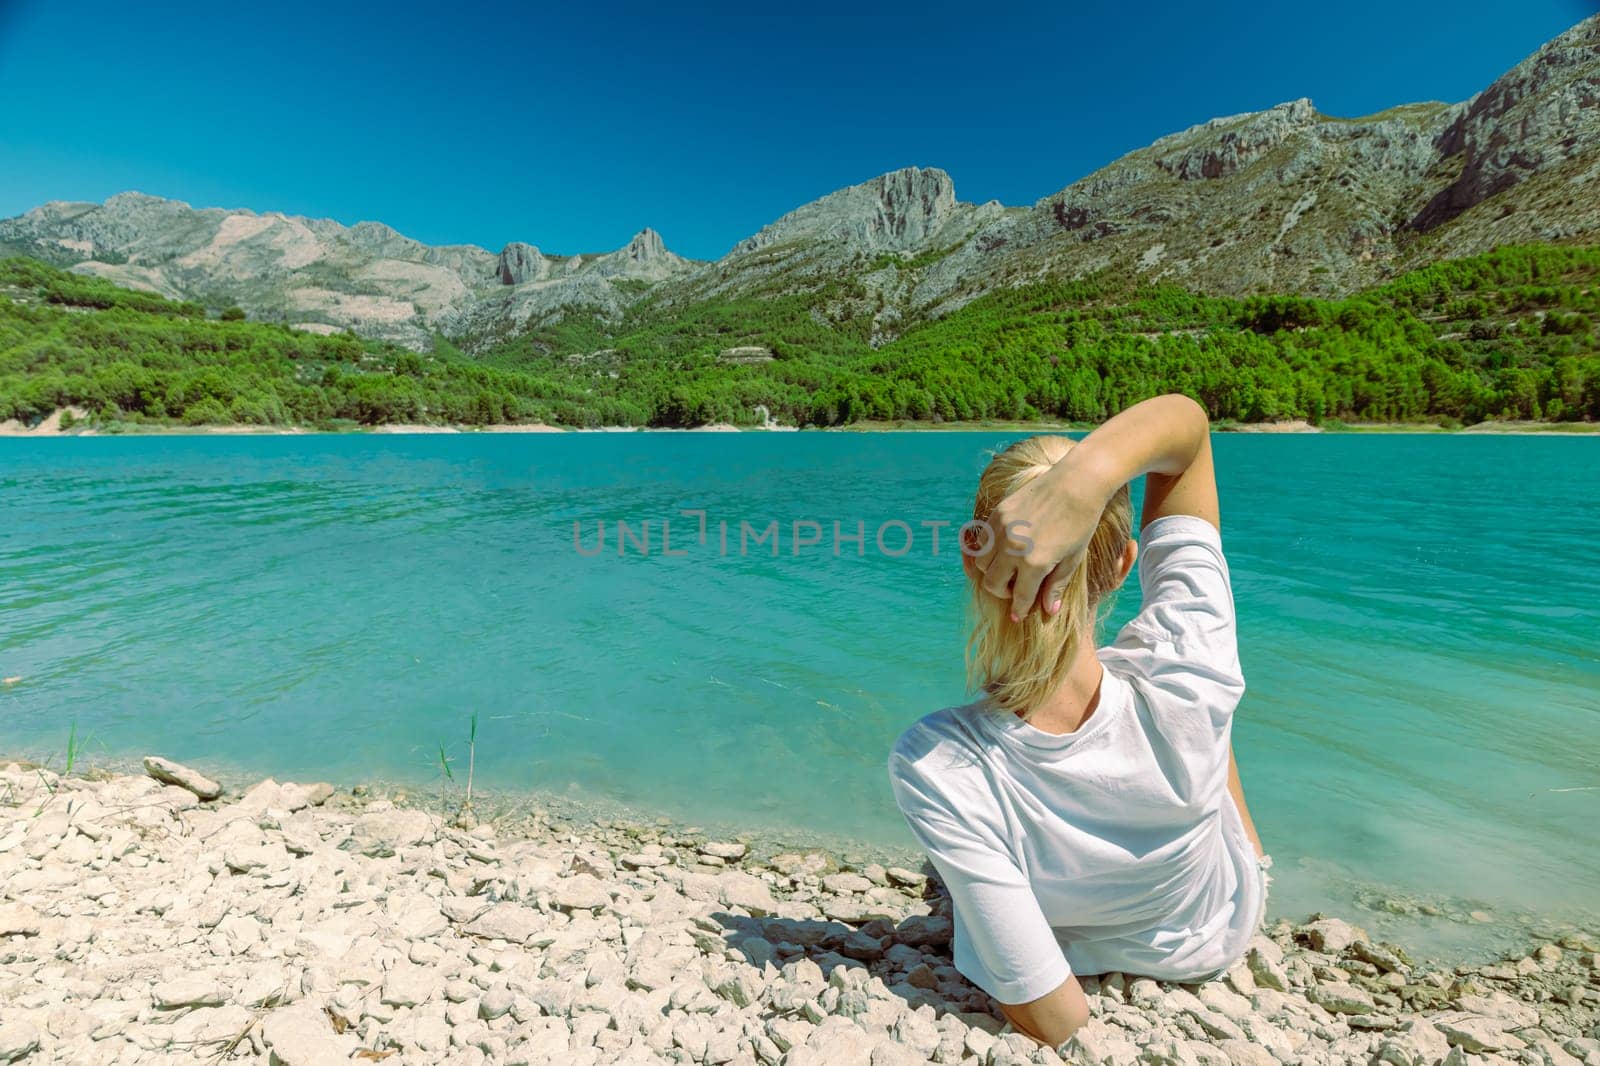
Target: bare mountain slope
321	275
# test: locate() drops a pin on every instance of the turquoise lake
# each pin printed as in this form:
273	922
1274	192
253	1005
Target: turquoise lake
1419	618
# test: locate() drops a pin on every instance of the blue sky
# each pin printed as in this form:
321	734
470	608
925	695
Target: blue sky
574	129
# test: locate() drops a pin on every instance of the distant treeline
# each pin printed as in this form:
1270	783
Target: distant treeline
1511	334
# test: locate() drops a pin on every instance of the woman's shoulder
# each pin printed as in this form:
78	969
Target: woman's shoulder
939	747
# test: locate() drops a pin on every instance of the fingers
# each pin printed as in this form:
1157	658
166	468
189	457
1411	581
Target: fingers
1025	590
997	579
1054	590
1002	567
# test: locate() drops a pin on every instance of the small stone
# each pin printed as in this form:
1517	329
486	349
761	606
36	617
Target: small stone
736	987
191	991
1330	935
18	1040
317	793
729	850
642	861
1476	1034
581	892
978	1044
1244	1053
759	951
17	919
899	875
495	1003
382	833
244	859
1267	969
302	1035
739	889
408	986
844	884
1379	956
1341	998
171	773
507	921
1416	1043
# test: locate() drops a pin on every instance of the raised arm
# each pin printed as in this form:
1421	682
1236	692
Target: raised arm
1041	530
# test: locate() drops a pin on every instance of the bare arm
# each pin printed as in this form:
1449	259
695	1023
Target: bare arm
1236	788
1052	1018
1166	439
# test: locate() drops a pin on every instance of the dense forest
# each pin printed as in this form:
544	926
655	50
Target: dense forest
1508	335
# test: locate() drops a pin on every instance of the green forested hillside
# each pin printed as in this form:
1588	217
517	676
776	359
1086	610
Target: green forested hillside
1508	335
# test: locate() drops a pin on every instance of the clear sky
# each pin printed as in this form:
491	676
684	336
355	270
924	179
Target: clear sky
573	129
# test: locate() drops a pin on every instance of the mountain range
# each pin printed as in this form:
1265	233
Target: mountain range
1286	200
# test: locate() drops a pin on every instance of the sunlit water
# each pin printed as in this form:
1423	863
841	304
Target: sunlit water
1418	618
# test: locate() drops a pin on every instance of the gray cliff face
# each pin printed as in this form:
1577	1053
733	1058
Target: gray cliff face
1286	200
897	212
1542	113
521	262
320	275
644	258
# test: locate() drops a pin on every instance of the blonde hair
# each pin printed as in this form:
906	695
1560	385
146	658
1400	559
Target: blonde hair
1019	664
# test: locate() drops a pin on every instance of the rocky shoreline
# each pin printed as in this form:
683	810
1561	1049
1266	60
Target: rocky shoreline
302	925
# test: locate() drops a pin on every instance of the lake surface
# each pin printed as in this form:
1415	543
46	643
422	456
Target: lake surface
1419	625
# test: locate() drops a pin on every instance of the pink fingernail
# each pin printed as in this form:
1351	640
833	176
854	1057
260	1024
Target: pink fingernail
1054	607
1014	617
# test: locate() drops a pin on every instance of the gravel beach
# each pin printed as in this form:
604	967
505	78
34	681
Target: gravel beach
146	920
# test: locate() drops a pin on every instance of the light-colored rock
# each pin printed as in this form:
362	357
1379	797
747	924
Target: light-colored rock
495	1003
1475	1033
1416	1043
1330	935
302	1035
1244	1053
1341	998
190	991
507	921
18	919
581	892
1267	968
408	985
738	889
18	1040
381	833
1099	1044
172	773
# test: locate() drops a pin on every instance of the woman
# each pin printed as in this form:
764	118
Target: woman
1085	814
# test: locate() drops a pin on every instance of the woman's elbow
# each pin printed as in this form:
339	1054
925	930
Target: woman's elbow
1066	1027
1053	1019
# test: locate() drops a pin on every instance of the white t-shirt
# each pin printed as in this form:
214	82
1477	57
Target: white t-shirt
1116	847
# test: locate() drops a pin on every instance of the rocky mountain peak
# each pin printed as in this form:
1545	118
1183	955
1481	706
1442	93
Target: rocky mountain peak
123	201
646	246
898	211
1537	115
644	258
521	262
1223	146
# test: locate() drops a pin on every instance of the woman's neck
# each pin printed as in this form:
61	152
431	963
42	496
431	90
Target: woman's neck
1075	699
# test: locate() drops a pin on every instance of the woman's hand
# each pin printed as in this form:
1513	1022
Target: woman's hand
1038	534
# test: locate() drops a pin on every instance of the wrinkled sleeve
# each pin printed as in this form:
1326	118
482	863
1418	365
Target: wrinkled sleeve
1002	942
1183	642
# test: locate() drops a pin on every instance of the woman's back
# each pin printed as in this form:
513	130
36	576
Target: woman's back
1124	847
1086	815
